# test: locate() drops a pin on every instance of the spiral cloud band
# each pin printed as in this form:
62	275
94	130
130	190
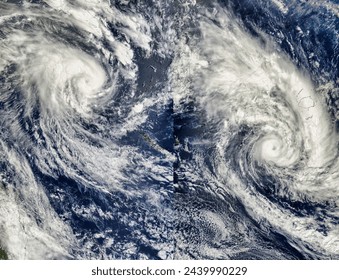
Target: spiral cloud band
169	129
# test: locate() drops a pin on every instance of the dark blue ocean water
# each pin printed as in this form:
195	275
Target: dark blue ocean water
170	200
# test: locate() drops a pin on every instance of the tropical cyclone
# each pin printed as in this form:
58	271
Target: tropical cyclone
69	83
169	129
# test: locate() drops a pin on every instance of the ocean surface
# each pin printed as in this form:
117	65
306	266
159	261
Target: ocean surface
169	129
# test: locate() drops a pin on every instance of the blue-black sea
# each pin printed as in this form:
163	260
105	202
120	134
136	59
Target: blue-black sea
169	129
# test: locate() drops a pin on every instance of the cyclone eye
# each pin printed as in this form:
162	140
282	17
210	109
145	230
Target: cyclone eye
169	129
68	88
259	129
